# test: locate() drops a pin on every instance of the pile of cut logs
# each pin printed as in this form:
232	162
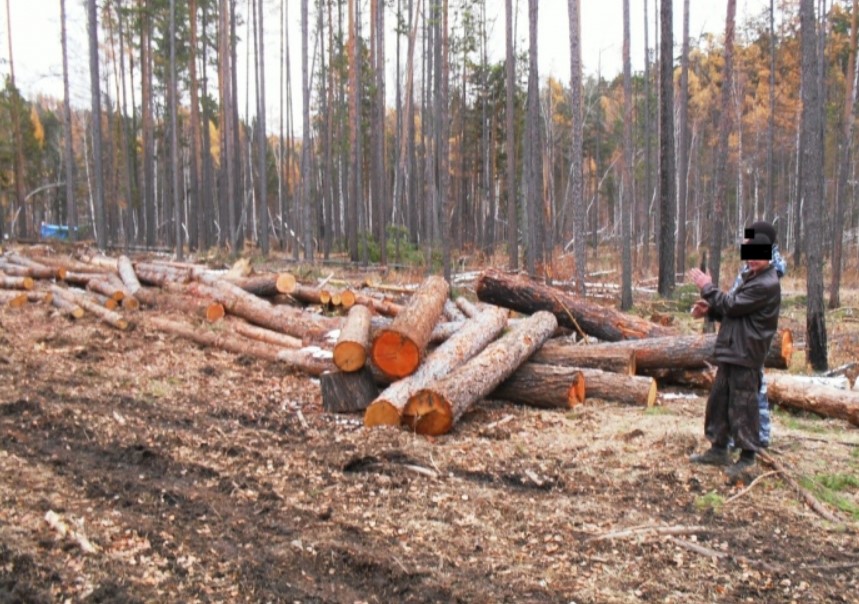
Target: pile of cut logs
432	358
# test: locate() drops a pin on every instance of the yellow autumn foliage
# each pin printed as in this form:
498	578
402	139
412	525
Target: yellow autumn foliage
38	129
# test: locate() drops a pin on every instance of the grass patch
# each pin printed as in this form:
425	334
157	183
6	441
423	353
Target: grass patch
801	422
710	501
839	482
658	410
829	496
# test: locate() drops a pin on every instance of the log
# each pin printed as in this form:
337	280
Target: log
261	334
350	352
452	312
66	308
468	308
110	317
106	288
307	360
434	409
13	299
674	352
180	302
544	386
347	391
34	272
474	336
573	312
127	274
158	274
309	295
382	307
108	303
399	349
38	296
263	285
40	270
824	400
13	282
701	379
598	356
347	299
67	264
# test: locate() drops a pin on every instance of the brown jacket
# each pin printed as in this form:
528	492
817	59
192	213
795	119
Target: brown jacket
749	318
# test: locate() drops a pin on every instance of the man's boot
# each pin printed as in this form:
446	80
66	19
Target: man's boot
714	456
743	464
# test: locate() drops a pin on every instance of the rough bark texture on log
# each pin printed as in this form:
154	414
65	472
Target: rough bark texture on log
13	299
41	271
347	391
468	308
159	274
823	400
528	296
104	287
452	312
688	378
127	274
436	408
110	317
545	386
306	360
474	336
399	349
179	301
12	282
18	270
261	334
350	352
594	357
382	307
69	309
39	296
673	352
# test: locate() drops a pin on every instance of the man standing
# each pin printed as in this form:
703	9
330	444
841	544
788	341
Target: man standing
749	319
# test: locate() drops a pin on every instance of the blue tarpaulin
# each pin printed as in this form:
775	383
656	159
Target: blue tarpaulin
55	231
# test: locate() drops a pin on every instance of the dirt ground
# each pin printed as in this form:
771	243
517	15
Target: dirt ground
137	467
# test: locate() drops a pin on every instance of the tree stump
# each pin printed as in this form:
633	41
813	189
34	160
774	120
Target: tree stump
347	392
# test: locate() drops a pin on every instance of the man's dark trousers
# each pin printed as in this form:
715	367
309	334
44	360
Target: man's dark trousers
732	409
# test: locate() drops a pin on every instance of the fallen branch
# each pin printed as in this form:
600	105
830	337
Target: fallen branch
749	488
810	499
649	530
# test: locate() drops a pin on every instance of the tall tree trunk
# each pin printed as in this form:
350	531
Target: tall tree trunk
306	201
69	152
18	161
683	168
646	199
811	186
844	165
628	186
175	167
148	125
446	199
355	197
263	140
720	208
197	235
769	209
512	212
533	159
576	159
667	172
207	197
95	92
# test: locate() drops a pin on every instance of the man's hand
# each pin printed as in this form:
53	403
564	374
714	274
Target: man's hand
700	309
700	279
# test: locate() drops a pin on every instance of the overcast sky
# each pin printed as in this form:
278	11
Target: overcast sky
38	57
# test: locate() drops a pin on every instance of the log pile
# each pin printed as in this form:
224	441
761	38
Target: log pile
433	358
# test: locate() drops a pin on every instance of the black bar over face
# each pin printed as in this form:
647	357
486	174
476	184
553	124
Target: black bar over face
756	251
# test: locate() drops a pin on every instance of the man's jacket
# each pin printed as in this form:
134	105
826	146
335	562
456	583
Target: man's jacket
749	318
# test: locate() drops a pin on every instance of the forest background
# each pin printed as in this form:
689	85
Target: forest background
450	157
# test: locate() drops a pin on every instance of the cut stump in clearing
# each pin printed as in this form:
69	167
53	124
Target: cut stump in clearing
434	410
347	392
398	349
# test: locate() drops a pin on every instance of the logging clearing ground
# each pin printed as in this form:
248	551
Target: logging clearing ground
183	474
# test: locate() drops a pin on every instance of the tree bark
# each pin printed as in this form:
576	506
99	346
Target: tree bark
261	334
823	400
346	392
304	360
69	309
571	311
13	299
179	302
127	274
350	352
543	386
17	270
110	317
577	152
398	350
510	172
436	408
667	170
14	282
600	356
476	335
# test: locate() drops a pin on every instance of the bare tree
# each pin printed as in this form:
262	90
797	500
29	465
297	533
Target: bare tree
443	129
683	168
628	187
512	215
18	160
148	123
263	143
95	92
533	151
843	165
175	167
69	152
811	149
576	159
667	172
769	209
306	202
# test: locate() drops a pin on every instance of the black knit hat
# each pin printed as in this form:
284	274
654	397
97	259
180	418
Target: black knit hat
762	226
